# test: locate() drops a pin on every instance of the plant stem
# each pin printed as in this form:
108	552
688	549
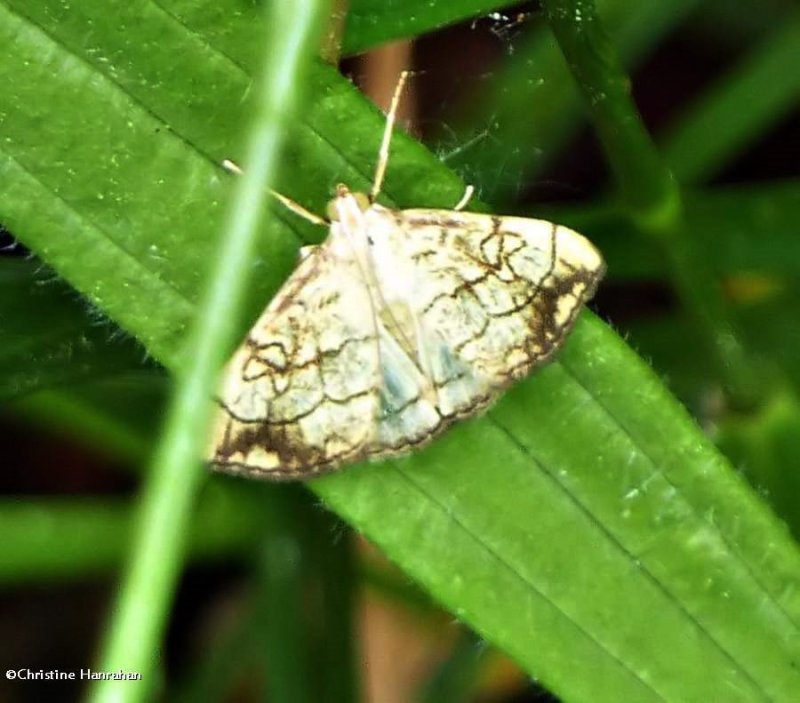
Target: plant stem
140	612
650	194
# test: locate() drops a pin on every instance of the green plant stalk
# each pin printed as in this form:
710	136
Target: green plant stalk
649	190
175	475
739	108
650	194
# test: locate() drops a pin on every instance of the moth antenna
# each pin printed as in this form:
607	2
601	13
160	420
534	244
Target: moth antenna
383	153
288	203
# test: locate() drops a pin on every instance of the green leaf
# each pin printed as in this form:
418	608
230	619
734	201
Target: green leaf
585	525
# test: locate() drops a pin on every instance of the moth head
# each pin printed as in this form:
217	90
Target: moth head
342	191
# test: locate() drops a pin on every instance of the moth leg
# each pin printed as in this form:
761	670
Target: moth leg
288	203
461	204
298	209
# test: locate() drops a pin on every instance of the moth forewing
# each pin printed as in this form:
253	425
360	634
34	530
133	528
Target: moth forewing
495	294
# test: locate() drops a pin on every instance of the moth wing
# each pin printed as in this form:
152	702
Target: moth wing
300	395
495	295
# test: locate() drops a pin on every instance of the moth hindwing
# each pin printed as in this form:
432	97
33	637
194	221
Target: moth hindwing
398	324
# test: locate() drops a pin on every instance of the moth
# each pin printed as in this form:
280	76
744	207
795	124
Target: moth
399	324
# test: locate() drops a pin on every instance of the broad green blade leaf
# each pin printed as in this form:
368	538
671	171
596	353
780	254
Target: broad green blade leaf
625	488
585	525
